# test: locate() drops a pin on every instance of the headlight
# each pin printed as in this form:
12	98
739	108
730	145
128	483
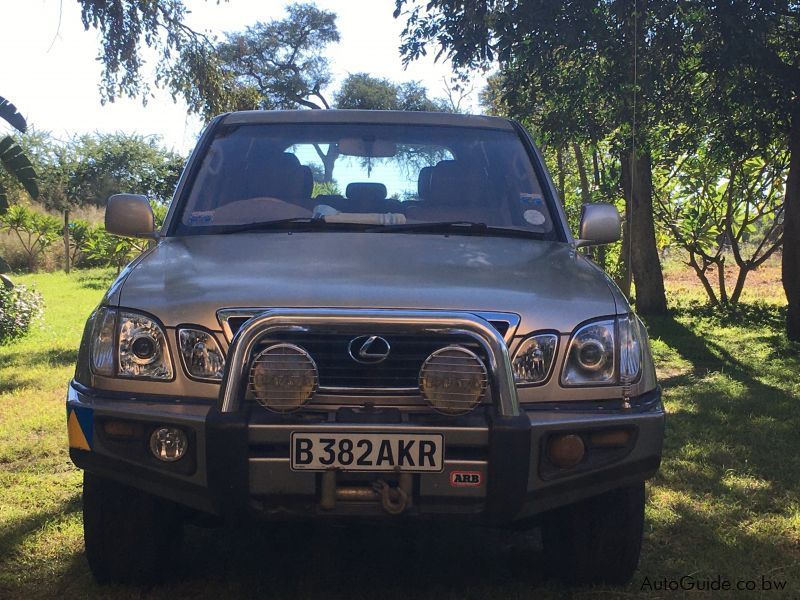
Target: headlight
283	377
630	348
590	357
534	358
200	354
104	332
143	350
453	380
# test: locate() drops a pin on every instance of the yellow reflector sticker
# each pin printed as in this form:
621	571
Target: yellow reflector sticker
77	437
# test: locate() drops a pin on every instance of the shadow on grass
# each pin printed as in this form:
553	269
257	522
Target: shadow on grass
96	281
12	536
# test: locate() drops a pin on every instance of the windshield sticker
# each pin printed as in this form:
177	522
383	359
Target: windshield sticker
534	217
201	217
531	200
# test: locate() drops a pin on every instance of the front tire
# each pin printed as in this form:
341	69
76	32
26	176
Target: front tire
597	540
130	536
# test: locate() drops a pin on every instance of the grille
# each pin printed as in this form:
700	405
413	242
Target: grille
338	372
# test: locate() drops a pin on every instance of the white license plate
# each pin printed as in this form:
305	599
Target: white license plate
408	452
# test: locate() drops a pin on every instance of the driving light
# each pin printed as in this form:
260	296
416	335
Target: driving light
143	351
283	377
534	358
103	333
590	358
168	443
453	380
200	354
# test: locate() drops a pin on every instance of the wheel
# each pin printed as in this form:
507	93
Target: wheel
130	536
597	540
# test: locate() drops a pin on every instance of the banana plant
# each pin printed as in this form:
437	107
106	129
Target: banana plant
12	157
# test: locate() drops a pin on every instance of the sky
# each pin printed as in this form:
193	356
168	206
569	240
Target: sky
50	72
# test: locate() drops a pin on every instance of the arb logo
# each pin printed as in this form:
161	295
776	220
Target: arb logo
465	478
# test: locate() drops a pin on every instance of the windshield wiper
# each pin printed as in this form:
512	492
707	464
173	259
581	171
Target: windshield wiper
468	227
275	225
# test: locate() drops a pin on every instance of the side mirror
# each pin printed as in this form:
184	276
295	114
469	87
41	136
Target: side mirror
130	215
600	224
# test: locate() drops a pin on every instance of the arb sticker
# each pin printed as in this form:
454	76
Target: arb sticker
465	478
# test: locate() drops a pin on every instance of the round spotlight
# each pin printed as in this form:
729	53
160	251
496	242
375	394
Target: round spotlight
283	377
168	443
453	380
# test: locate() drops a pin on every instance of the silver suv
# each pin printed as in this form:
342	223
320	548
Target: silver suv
356	314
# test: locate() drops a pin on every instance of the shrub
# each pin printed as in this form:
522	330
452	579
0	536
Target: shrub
19	307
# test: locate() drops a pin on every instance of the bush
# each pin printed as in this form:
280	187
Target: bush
19	307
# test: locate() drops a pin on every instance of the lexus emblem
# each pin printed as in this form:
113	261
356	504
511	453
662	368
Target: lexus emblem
369	349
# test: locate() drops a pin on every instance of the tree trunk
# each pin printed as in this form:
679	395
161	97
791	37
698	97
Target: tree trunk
561	175
328	161
586	192
651	298
740	281
600	257
791	231
624	281
66	241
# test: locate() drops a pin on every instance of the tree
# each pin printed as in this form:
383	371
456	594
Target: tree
125	26
12	157
277	64
108	164
719	205
591	70
751	55
35	231
363	91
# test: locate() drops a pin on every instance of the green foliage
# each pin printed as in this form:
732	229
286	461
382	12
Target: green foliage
325	188
12	156
125	25
363	91
112	163
35	231
277	64
10	114
19	307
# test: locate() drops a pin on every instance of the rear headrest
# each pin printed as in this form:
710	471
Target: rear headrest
366	192
424	183
453	182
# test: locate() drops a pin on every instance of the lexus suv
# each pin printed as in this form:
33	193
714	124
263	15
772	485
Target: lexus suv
364	315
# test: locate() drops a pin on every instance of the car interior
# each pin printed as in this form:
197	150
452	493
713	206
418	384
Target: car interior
266	181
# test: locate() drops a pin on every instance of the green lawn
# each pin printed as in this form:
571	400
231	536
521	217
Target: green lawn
726	501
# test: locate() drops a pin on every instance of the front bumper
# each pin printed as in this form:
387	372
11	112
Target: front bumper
496	466
238	463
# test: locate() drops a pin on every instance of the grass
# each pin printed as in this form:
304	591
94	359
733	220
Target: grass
726	502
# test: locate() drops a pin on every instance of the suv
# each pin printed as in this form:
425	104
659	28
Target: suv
358	314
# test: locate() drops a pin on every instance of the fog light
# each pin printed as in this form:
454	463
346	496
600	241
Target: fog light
168	444
566	451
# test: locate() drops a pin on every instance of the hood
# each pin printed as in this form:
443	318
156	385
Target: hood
187	279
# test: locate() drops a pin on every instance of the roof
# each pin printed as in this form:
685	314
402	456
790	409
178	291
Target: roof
390	117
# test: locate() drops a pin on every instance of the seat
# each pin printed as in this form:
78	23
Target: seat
450	191
368	197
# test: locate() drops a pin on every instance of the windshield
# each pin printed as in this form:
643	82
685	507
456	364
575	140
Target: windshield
369	177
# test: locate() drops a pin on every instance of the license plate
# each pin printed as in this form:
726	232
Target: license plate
407	452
